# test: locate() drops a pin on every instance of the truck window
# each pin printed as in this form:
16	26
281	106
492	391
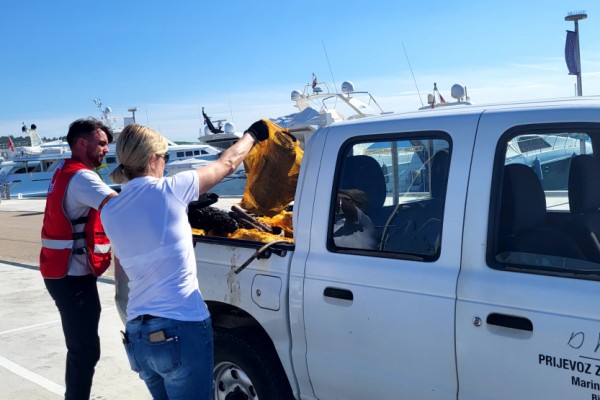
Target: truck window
546	200
390	196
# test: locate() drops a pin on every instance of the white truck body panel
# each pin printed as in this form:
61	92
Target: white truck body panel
402	310
499	362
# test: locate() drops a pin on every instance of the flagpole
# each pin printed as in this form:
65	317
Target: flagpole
575	17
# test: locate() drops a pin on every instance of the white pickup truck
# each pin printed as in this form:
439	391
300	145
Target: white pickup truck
479	278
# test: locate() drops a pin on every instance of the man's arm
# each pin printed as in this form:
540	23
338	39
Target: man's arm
106	199
86	189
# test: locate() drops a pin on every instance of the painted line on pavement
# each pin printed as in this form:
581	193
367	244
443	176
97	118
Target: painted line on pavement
56	321
32	377
26	328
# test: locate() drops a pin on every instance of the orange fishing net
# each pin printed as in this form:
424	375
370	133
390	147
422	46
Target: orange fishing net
282	220
272	169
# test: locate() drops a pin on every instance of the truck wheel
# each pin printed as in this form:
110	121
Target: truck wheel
246	369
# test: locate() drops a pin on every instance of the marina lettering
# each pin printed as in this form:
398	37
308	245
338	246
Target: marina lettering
590	384
565	363
577	339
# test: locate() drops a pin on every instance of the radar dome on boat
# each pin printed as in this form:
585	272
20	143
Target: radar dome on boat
229	127
457	91
108	110
296	95
347	87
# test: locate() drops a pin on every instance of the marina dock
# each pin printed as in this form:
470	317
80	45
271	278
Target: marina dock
32	349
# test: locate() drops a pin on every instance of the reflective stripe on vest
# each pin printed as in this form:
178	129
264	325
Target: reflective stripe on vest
57	244
101	248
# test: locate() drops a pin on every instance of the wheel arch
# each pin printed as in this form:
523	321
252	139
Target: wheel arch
228	317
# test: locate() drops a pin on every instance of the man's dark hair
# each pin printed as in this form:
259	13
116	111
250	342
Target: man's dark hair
84	127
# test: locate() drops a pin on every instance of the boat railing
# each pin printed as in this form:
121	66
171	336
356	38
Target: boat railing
325	94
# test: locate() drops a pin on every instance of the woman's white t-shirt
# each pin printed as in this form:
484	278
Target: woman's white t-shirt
150	235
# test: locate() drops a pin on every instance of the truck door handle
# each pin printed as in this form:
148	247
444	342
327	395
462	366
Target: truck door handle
510	321
338	293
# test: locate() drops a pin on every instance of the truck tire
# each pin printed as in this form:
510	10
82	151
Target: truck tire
246	369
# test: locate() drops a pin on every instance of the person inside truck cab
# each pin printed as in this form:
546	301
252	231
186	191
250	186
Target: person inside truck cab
352	227
168	337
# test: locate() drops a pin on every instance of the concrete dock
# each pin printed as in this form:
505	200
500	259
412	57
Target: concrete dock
32	349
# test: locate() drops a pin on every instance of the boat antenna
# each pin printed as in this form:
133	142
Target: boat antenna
328	63
413	75
230	108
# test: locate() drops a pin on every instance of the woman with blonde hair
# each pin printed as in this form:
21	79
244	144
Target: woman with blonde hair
169	337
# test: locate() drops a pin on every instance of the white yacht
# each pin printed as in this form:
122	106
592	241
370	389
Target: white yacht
28	171
29	175
318	106
37	146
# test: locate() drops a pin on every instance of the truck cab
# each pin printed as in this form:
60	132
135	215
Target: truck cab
472	272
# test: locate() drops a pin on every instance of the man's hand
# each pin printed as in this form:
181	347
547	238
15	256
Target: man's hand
259	130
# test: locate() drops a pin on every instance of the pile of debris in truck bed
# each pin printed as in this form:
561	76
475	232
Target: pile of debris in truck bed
238	224
272	169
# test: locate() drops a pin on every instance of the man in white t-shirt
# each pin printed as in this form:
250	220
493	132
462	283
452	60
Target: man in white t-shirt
75	249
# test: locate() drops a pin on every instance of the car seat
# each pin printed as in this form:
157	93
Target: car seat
364	173
523	217
584	203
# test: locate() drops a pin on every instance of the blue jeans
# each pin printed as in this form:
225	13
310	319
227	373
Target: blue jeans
176	365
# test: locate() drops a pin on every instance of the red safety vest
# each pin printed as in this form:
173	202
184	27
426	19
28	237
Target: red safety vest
58	232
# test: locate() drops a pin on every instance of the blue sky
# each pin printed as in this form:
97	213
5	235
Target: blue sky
241	59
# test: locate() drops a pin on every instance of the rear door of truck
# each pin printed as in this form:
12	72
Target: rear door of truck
528	325
379	303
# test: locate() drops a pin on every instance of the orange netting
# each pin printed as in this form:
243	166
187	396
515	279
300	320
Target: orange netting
272	169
